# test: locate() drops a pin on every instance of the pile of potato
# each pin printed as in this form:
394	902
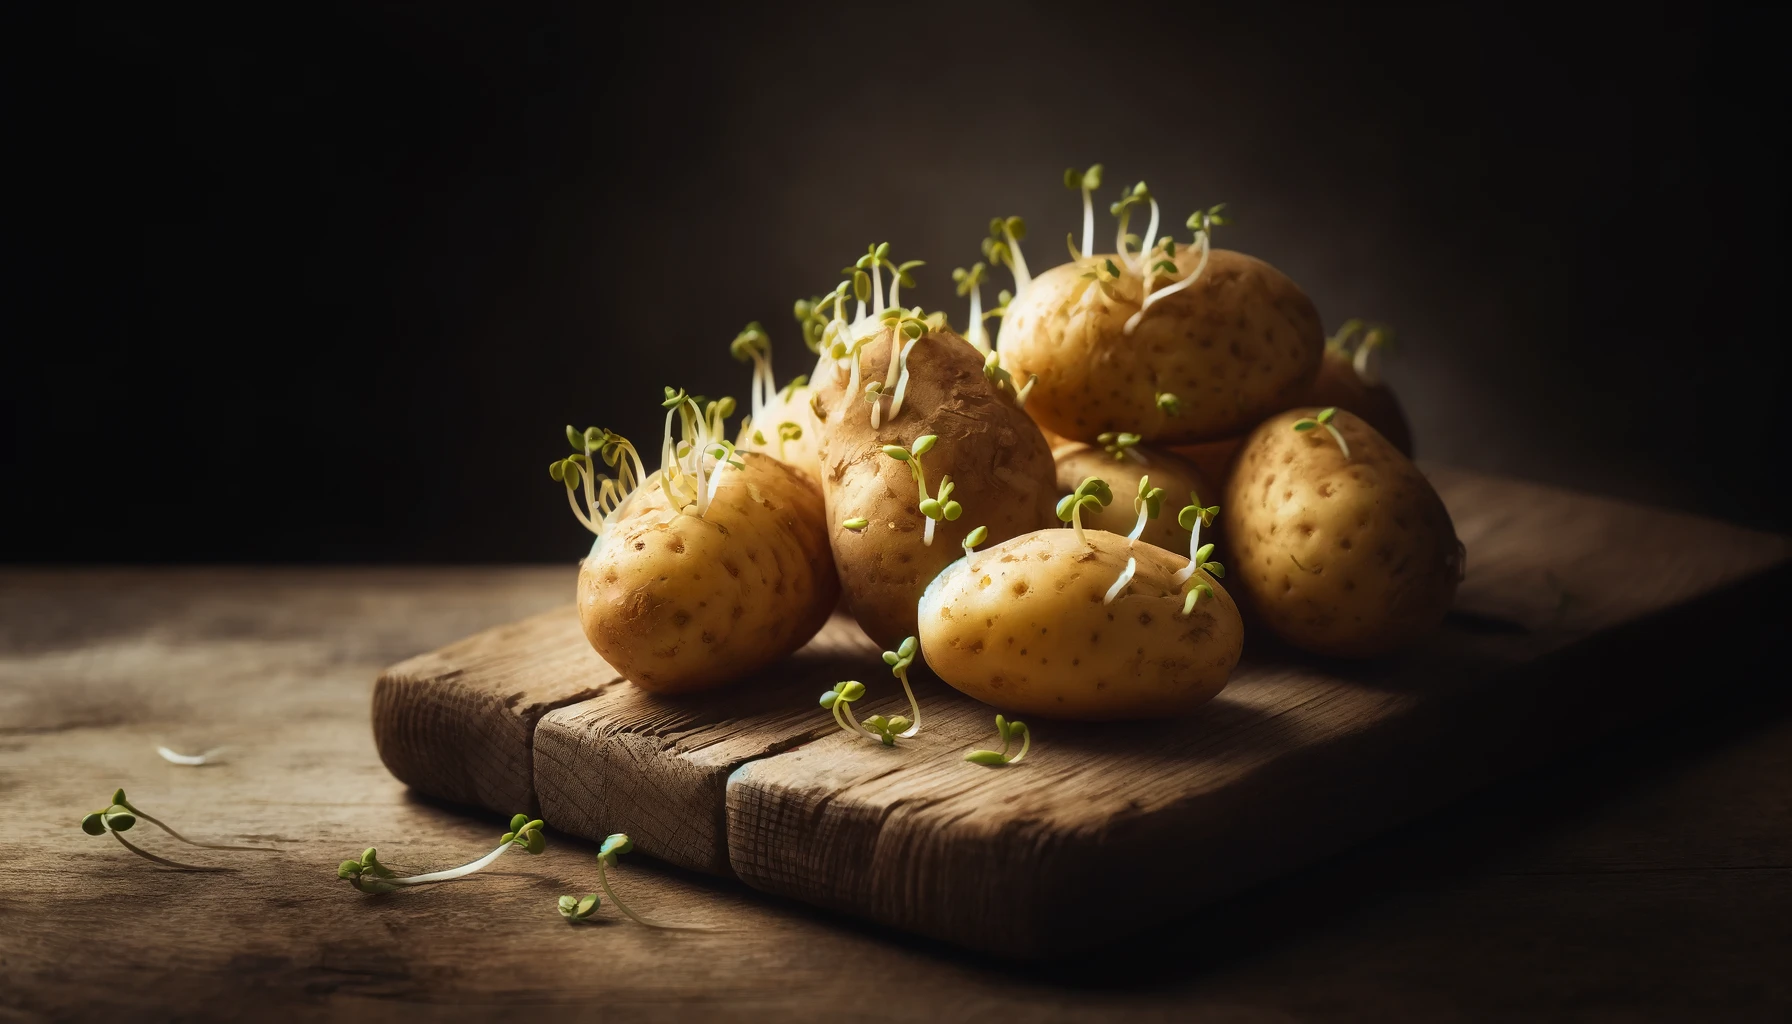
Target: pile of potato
1032	511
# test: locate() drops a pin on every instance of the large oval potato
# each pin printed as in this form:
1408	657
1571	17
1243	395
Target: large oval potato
1022	626
1240	344
787	408
999	463
1178	478
1351	557
676	603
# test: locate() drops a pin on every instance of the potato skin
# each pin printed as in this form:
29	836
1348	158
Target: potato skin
804	452
1351	558
1213	458
1021	625
676	603
1339	386
1238	345
1176	476
996	457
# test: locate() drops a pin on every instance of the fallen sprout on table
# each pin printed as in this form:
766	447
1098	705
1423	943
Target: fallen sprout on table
369	875
578	909
1008	731
121	816
190	760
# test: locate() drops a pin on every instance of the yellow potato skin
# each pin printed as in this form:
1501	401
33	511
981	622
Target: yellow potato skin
1077	462
805	452
676	603
1346	557
996	457
1022	626
1339	386
1240	344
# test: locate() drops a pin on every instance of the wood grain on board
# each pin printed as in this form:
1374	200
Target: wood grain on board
459	723
657	767
1569	622
1107	829
1648	878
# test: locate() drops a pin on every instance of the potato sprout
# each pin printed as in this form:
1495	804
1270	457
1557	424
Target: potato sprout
1007	731
576	909
603	496
937	506
970	282
1086	182
121	816
1093	492
899	661
1192	518
974	538
1146	503
1122	446
1004	381
1359	349
1323	419
370	876
1202	223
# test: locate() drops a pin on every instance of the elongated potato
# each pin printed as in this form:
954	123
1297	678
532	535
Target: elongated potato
677	603
1000	467
1177	477
1349	556
1238	345
1338	385
1022	626
787	414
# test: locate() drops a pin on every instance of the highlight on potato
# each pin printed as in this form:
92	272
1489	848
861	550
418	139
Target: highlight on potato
992	505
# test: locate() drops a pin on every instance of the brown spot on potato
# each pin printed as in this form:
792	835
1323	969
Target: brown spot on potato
1144	618
1018	587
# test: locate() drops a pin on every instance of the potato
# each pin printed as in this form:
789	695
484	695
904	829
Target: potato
1240	344
790	406
1000	467
1351	557
1022	626
1338	385
1177	477
677	603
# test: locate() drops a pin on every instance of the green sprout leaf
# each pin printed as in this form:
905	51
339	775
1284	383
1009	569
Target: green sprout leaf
974	538
855	523
924	444
1169	404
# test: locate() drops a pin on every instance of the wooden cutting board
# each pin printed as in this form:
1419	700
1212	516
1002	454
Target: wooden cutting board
1578	615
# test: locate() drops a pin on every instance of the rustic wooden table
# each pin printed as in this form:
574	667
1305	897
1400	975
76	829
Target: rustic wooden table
1649	877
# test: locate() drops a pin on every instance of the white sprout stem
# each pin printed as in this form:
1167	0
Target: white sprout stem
204	758
877	411
1336	436
584	520
1019	264
845	707
895	289
699	442
1194	545
877	289
1088	224
1139	527
1132	566
927	533
763	384
852	382
1120	235
1153	298
146	855
1360	362
978	334
914	706
451	873
1150	233
895	366
902	380
1076	521
715	478
159	823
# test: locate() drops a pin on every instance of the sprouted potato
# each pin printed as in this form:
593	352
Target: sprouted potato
1083	624
1338	543
1123	463
1177	342
779	421
915	428
712	568
1347	380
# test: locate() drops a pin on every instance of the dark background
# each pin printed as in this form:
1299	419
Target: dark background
300	285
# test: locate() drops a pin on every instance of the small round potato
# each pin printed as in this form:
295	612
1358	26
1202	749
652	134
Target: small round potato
787	410
1212	458
1352	557
676	603
1339	386
1177	477
1240	344
1000	467
1022	626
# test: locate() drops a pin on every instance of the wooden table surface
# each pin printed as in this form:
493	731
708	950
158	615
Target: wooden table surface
1648	877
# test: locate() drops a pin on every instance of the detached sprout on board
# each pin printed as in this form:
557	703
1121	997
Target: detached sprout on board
578	909
370	876
121	816
899	660
1323	419
1007	731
